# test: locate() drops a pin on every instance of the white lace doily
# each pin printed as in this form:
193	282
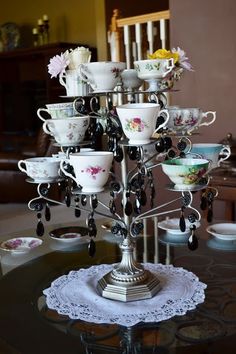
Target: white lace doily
76	295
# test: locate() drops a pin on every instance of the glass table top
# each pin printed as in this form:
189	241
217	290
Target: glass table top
28	326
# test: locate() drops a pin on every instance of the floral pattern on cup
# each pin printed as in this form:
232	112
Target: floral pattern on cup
93	171
135	125
179	121
193	175
116	72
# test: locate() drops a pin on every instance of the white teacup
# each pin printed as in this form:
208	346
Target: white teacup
130	79
139	121
58	110
73	83
102	75
68	131
91	169
153	71
186	120
41	169
216	153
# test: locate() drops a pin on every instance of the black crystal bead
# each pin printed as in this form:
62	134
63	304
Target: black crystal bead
77	213
91	222
83	200
132	152
94	201
210	214
182	223
115	229
182	155
204	203
91	248
99	131
128	208
118	154
68	198
40	227
193	242
160	120
171	154
92	230
47	213
112	206
143	197
181	146
167	142
192	217
160	147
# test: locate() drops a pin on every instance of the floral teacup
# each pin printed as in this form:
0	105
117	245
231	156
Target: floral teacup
102	75
67	132
73	83
153	71
58	110
216	153
139	121
186	120
91	169
40	169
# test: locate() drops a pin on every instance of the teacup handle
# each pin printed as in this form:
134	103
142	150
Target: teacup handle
169	66
39	113
165	111
46	129
62	80
20	167
224	151
205	115
83	73
66	173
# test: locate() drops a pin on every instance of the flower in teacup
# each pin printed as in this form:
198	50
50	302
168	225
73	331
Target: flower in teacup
164	54
57	65
183	60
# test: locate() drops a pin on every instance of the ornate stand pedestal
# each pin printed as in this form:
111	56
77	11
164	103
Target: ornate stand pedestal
128	281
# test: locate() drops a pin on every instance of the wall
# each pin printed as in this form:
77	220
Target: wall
206	31
70	21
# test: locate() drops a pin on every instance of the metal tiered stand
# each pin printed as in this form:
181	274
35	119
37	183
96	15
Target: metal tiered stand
129	280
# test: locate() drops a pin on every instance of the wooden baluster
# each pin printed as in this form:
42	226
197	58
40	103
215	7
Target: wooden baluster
127	45
163	33
150	36
138	39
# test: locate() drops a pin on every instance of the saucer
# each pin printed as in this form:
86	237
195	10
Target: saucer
223	231
20	244
38	181
69	234
222	245
172	226
188	188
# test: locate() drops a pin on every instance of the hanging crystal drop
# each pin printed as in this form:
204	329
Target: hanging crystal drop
94	201
68	197
83	200
112	206
118	154
40	227
47	213
210	213
91	248
143	197
203	204
193	242
182	223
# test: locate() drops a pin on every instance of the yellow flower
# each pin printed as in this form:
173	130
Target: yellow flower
164	54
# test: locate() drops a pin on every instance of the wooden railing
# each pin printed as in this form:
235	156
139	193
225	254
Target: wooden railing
132	38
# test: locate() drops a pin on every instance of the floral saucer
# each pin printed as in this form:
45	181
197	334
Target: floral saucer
20	244
69	234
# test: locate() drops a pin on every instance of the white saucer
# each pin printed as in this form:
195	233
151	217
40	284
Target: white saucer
20	244
172	226
194	188
223	231
70	234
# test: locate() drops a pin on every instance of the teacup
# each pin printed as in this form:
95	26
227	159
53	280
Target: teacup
68	131
73	83
185	173
41	169
102	75
91	169
139	121
58	110
153	71
216	153
186	120
130	79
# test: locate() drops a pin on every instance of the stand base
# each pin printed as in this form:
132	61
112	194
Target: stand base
128	291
